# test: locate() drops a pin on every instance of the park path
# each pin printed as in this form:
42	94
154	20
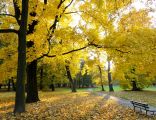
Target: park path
121	101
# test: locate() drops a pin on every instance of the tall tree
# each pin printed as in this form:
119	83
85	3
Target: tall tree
110	76
32	91
101	81
21	70
72	81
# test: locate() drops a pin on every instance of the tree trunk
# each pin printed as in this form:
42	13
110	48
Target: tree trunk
52	87
102	86
13	84
9	82
64	85
79	84
110	78
32	91
59	85
73	82
21	69
41	79
82	82
101	81
69	85
134	86
74	86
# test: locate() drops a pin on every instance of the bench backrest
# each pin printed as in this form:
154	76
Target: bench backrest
141	105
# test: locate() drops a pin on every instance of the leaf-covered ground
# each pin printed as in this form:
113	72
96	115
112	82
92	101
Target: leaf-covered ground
68	106
142	96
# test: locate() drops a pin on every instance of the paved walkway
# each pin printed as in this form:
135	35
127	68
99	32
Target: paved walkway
121	101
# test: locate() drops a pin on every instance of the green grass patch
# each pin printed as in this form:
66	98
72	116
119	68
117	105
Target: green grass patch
98	88
151	88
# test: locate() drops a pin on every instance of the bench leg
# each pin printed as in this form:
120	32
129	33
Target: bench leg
153	113
146	112
134	108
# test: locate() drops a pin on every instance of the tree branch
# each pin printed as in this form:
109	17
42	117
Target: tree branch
7	15
75	50
68	5
74	12
97	46
8	31
57	17
122	51
78	49
61	2
65	53
17	11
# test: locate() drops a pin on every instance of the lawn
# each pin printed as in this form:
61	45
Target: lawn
151	88
147	95
118	88
141	96
64	105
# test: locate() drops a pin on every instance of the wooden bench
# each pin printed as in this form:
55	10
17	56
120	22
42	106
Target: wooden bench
142	106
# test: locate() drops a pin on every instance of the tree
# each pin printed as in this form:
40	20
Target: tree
32	91
21	70
32	95
100	71
110	76
131	46
73	82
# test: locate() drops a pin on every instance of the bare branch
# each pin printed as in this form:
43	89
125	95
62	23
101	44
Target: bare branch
122	51
61	2
74	12
8	31
68	5
65	53
75	50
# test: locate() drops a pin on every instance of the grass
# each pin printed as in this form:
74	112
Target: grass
64	105
141	96
148	95
151	88
116	88
98	88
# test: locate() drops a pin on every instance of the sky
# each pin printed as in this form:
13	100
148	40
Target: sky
147	4
137	4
